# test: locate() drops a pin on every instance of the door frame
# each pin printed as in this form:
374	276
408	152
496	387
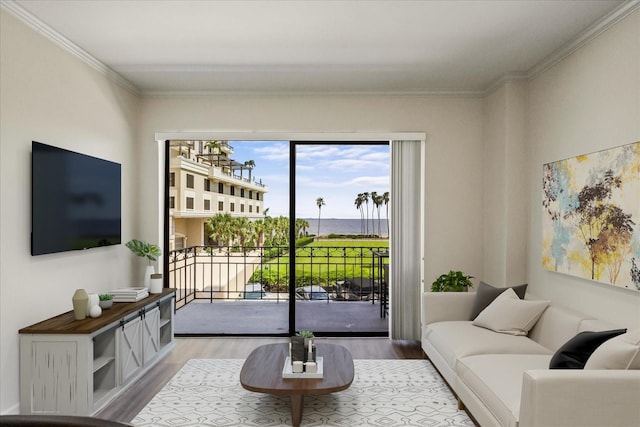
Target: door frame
162	139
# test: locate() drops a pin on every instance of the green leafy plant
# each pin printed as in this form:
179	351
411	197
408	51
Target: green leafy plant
305	334
453	281
144	249
105	297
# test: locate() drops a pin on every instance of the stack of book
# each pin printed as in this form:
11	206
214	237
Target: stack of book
129	294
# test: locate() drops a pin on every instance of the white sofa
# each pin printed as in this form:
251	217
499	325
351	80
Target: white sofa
504	380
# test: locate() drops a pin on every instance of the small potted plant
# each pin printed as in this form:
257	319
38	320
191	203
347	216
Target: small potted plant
307	335
106	301
145	250
453	281
307	343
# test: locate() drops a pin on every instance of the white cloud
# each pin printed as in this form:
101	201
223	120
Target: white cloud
335	172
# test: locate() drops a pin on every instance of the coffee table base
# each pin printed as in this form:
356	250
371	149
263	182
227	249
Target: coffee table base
297	404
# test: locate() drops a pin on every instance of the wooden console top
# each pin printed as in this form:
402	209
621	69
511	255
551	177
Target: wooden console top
66	323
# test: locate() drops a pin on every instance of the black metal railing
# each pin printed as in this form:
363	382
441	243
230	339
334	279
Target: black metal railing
343	273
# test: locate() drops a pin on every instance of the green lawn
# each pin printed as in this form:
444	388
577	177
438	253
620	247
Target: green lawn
323	263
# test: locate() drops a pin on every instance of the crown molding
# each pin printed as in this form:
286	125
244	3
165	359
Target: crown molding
257	135
585	37
19	12
515	76
408	93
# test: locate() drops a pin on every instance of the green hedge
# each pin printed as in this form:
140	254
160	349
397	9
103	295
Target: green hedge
352	236
304	241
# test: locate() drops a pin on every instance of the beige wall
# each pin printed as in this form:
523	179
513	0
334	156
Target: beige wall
50	96
588	102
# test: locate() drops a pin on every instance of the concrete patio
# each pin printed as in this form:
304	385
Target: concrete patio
256	317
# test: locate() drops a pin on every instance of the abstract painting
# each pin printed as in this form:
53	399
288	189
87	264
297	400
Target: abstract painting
591	216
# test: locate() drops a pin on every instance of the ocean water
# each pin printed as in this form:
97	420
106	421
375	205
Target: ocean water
345	226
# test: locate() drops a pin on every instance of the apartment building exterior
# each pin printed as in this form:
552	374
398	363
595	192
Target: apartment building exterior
205	180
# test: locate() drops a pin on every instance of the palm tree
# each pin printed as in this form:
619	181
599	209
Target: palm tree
377	200
281	231
301	225
220	227
213	145
358	203
259	230
373	207
320	203
385	199
269	225
242	230
365	199
250	164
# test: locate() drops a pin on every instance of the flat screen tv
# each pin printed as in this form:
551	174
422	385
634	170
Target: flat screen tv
75	201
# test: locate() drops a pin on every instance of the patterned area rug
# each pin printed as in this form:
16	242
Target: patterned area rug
385	393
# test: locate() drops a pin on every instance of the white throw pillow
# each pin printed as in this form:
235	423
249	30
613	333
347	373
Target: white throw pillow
621	352
508	314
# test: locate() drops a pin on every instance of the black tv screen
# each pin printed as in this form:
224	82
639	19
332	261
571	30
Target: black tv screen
75	201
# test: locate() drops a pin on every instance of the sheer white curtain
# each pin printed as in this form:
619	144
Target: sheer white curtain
406	241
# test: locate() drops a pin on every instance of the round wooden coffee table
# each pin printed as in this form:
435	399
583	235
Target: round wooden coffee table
262	373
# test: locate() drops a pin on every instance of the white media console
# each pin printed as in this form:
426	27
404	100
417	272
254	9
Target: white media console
77	367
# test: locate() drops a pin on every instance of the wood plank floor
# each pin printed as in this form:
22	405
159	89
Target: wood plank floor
127	405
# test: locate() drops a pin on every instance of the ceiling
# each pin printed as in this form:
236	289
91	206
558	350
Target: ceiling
317	46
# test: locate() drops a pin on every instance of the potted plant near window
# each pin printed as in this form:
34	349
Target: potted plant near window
146	250
307	343
307	335
453	281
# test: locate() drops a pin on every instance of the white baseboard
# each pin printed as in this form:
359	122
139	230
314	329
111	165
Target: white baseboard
13	410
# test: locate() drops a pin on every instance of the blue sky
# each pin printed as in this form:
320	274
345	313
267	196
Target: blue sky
336	173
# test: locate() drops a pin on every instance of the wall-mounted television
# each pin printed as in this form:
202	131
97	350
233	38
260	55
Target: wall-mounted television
75	200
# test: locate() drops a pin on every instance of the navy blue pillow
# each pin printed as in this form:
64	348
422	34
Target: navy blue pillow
574	353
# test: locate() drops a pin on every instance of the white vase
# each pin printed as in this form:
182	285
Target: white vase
95	311
147	275
94	300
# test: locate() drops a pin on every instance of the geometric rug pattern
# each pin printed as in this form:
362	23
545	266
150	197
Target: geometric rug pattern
384	393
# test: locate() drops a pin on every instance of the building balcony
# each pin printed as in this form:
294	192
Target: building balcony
228	178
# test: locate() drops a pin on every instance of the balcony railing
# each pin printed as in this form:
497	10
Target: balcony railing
345	273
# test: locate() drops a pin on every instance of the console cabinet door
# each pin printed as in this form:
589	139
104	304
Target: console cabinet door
54	379
150	334
129	349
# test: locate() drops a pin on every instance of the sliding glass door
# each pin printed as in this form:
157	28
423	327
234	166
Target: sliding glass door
273	237
340	204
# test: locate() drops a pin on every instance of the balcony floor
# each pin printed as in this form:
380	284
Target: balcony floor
233	317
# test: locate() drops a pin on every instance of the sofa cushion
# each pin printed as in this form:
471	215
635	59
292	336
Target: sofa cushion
575	352
487	293
496	380
557	325
621	352
456	339
508	314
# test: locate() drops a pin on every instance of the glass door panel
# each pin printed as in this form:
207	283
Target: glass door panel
341	229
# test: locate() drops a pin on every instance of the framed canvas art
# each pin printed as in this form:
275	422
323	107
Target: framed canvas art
591	216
